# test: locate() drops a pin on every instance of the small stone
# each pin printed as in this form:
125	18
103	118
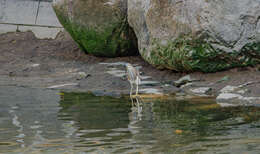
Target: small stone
11	74
242	91
226	104
225	78
246	84
82	75
201	91
35	65
229	89
150	83
237	99
228	96
186	85
182	81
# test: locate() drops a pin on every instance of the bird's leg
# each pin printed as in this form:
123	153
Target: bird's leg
136	92
132	101
131	90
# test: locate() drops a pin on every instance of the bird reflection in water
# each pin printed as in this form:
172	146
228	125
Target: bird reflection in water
137	107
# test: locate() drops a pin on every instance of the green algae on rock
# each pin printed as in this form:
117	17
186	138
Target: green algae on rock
100	28
169	33
186	54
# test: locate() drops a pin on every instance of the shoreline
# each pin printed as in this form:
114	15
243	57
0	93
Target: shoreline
44	63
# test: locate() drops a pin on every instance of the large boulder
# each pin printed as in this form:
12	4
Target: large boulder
197	35
100	27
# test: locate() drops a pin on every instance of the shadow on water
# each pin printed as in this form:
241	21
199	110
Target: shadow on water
44	122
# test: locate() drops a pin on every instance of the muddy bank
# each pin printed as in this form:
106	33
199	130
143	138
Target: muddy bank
59	64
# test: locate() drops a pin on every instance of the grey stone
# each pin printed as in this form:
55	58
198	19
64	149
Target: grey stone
225	78
229	89
201	90
228	96
224	28
242	91
235	89
186	85
150	83
237	99
182	81
81	75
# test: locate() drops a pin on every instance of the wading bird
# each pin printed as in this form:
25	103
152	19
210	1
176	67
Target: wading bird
133	77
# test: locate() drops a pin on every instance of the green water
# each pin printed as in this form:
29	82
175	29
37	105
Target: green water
44	121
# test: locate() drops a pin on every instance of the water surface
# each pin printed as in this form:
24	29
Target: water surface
48	121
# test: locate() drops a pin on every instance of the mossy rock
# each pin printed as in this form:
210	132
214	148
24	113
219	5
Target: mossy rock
99	28
187	54
205	36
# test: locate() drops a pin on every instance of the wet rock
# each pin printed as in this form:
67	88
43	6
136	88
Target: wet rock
150	83
62	85
237	99
99	27
186	85
169	89
151	91
201	91
229	89
35	65
182	81
236	89
197	35
228	96
225	78
242	91
116	72
82	75
248	83
237	95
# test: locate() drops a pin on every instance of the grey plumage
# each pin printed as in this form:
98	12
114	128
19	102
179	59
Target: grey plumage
133	77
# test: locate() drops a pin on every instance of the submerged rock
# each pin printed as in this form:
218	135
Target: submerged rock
197	35
99	27
237	99
237	95
236	89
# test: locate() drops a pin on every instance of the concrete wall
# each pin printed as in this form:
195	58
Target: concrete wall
24	15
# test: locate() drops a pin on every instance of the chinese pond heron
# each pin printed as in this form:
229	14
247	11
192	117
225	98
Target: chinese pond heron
133	77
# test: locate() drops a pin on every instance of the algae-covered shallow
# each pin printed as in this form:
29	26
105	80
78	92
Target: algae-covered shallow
48	121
